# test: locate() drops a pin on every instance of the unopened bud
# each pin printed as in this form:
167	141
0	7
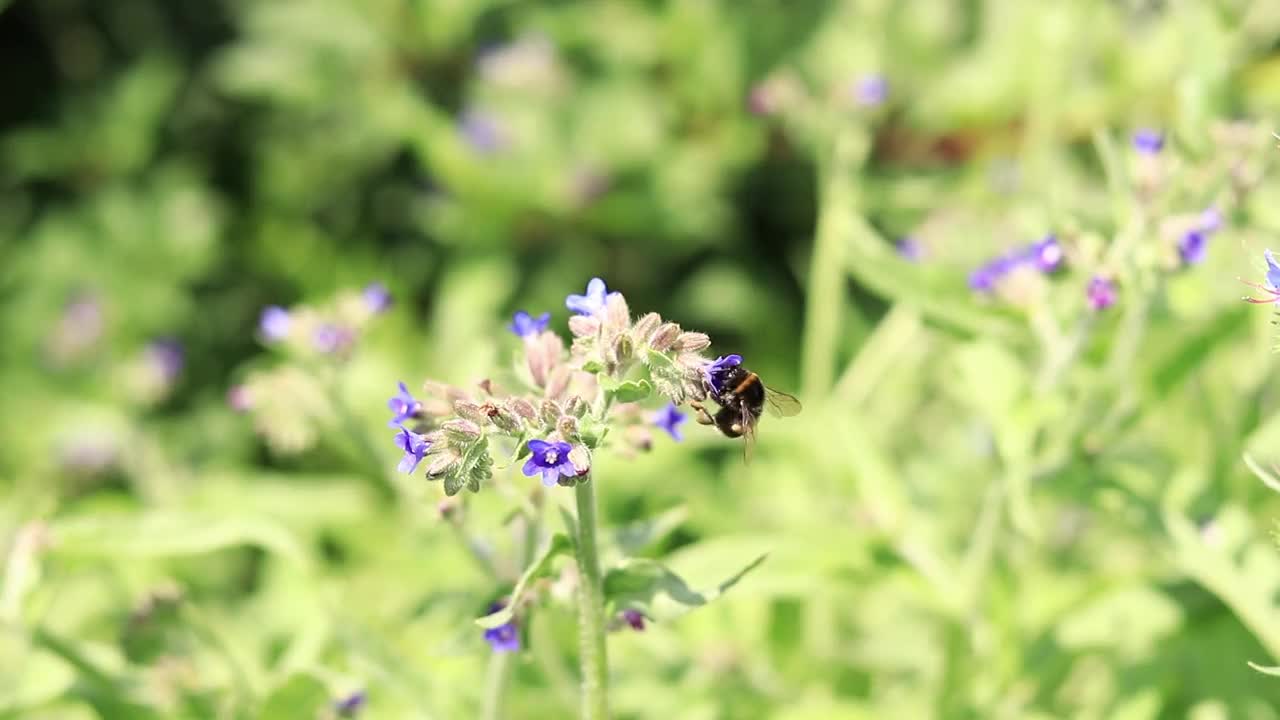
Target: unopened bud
558	382
550	412
567	426
645	326
523	408
584	325
616	313
580	456
662	338
638	437
506	420
471	411
576	406
622	349
442	464
460	429
692	342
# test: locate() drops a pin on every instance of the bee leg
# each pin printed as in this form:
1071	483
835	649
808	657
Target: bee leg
700	413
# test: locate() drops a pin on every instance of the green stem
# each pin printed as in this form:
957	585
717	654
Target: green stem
495	685
591	644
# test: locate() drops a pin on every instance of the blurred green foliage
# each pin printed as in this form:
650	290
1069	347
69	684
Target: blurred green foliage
1002	509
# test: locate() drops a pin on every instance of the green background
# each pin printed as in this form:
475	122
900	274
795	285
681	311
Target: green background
990	508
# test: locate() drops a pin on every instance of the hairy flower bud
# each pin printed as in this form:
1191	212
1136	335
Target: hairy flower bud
691	342
638	437
567	426
523	408
471	411
662	338
550	413
622	350
617	316
460	429
576	406
645	326
506	420
580	456
584	325
443	463
542	356
559	381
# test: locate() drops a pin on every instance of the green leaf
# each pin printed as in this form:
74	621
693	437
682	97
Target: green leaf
628	390
301	696
170	533
453	483
1266	669
631	538
559	544
659	593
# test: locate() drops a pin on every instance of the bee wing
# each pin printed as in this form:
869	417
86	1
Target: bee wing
781	404
748	436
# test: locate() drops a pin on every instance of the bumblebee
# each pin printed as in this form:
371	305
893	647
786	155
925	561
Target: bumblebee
742	398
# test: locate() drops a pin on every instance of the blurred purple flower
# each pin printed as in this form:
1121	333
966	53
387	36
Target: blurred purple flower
526	326
403	406
415	448
871	90
166	358
1193	246
1148	141
910	248
1101	293
669	419
1046	254
634	618
349	706
714	371
504	638
984	279
377	298
481	131
274	323
551	460
593	302
1211	220
329	338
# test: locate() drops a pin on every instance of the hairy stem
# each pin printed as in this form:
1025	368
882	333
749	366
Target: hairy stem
495	685
591	643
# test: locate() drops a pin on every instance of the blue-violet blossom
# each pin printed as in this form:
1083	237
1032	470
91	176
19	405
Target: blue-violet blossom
669	419
1272	288
526	326
593	302
1101	293
504	638
403	406
634	618
348	706
377	297
715	370
871	90
1193	246
415	448
549	459
274	323
1148	141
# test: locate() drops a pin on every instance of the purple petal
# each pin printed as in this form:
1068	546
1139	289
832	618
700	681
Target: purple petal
1273	270
549	476
567	469
539	447
531	467
409	463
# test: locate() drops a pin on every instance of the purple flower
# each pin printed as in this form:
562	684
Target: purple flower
1046	254
504	638
871	90
526	326
1210	220
984	279
330	338
669	419
714	371
274	323
910	248
1272	288
166	358
403	407
1148	141
1101	293
593	302
634	618
350	705
481	131
377	297
415	448
549	459
1193	247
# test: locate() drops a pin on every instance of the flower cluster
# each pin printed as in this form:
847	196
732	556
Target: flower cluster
563	401
329	331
